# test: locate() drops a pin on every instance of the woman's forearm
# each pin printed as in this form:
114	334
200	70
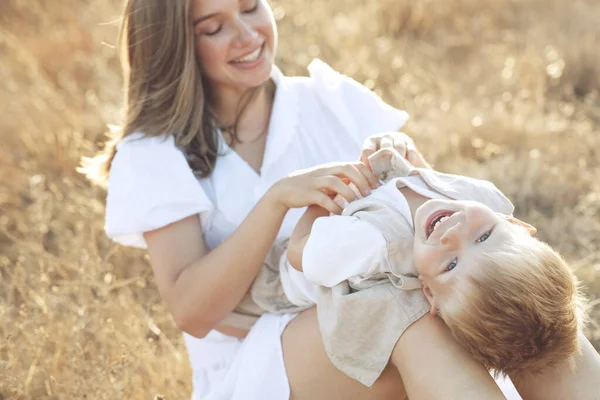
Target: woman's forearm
434	366
212	286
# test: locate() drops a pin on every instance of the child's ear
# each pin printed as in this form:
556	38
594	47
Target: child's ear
529	228
431	299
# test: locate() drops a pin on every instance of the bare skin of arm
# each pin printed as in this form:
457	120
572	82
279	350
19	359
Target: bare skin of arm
199	296
201	287
578	382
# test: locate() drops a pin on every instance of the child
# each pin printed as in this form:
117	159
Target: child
427	241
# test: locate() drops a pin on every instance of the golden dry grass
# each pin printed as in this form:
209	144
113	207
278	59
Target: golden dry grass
508	90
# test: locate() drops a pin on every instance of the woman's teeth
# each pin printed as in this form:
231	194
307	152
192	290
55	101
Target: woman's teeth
250	57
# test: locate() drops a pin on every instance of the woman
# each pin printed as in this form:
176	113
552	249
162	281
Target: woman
204	177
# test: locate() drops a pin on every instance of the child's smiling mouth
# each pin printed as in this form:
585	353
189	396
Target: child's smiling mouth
435	219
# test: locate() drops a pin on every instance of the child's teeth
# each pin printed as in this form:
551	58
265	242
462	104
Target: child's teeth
440	221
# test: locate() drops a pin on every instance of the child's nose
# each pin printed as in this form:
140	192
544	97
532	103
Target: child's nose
451	238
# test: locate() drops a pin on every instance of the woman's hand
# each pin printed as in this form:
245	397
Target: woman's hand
397	140
321	184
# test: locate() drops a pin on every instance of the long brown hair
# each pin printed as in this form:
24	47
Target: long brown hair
163	86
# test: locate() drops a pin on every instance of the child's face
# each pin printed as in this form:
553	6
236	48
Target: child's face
451	237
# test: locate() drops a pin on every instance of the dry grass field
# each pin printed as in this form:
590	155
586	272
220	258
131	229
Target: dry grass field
507	90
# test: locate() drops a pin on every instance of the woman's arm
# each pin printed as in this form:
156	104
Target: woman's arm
201	287
301	234
579	381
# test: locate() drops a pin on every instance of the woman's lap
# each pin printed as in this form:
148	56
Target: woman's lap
312	376
265	367
251	369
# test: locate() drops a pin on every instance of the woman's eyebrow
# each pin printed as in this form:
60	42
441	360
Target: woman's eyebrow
204	18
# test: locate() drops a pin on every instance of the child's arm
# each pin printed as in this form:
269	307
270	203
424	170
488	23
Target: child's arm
301	234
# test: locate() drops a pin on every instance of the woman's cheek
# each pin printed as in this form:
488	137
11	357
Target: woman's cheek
210	54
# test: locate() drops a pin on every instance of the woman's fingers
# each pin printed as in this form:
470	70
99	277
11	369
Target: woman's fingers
370	146
361	180
364	156
322	200
368	173
332	184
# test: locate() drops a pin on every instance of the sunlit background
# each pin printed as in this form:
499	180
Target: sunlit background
507	90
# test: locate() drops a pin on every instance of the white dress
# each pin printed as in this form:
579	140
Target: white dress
318	119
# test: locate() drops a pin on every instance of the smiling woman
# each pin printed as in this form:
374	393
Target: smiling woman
235	44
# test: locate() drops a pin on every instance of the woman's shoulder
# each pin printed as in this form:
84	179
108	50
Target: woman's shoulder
140	142
143	154
357	108
150	185
139	156
320	76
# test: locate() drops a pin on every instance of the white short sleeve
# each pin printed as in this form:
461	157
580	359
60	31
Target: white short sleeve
150	186
359	109
342	247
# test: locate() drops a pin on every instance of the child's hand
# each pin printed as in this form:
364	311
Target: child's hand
401	142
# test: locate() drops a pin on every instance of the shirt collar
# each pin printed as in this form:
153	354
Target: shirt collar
283	124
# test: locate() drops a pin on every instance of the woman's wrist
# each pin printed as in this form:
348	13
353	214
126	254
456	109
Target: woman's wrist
272	199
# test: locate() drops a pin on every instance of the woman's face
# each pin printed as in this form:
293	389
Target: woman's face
235	42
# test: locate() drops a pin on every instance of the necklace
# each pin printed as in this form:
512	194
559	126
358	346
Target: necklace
231	130
232	137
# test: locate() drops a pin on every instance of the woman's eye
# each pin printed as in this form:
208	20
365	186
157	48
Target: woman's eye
251	10
214	32
452	265
484	237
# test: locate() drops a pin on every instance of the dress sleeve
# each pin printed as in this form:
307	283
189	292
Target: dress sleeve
361	111
341	247
150	186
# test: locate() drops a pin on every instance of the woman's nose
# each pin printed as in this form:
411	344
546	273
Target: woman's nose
246	34
451	238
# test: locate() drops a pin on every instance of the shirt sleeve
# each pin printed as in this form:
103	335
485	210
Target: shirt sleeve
341	247
360	110
150	186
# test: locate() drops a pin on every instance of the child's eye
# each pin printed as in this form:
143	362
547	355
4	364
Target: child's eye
452	265
484	237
